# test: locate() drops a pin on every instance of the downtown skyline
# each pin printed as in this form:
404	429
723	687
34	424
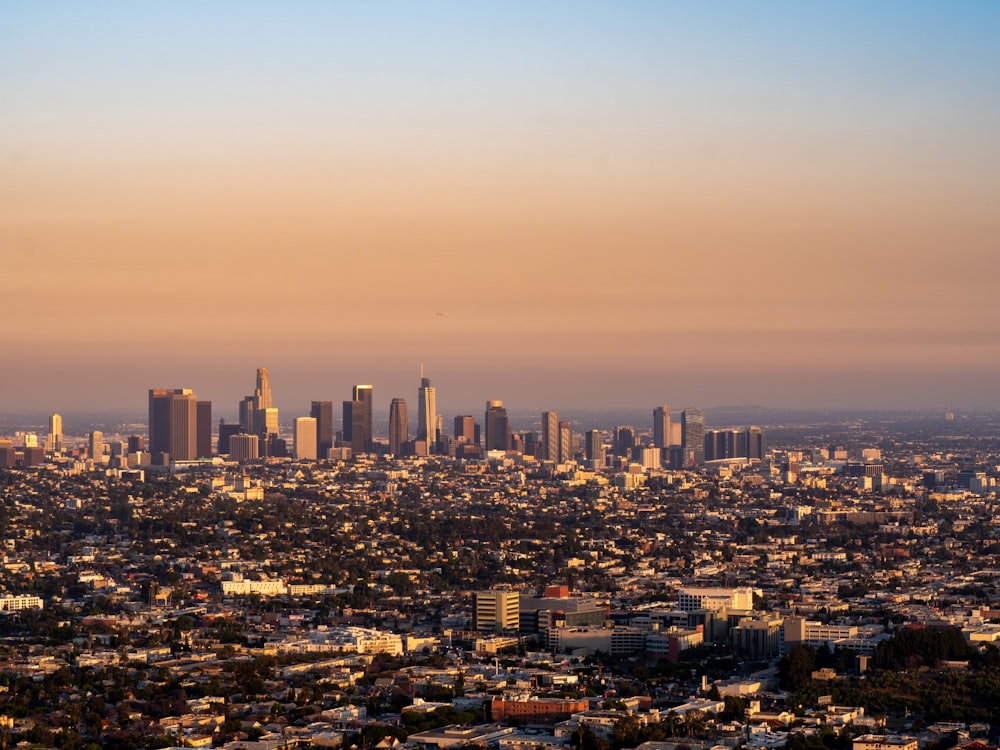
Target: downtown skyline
562	206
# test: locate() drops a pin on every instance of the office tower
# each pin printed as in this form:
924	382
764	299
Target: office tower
304	433
322	412
262	393
661	427
497	427
173	423
357	428
268	421
96	446
624	440
427	414
248	417
756	447
692	437
565	443
54	440
226	432
244	447
496	611
550	436
30	440
399	426
465	429
136	444
595	448
203	439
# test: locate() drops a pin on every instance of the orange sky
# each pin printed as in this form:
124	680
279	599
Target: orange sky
676	229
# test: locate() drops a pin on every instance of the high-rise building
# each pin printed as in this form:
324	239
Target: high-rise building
496	611
595	448
692	437
226	432
756	446
465	429
262	393
497	427
203	438
358	420
96	446
244	447
304	433
566	448
248	416
661	427
427	414
399	426
550	436
322	412
173	424
624	440
54	440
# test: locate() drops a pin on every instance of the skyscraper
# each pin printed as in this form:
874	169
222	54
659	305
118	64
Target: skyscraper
624	440
96	446
399	426
322	412
262	393
661	427
566	449
550	436
304	432
427	414
465	429
204	429
173	424
497	427
358	420
595	448
756	447
693	437
54	440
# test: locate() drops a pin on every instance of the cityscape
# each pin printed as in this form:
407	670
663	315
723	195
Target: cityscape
354	582
504	375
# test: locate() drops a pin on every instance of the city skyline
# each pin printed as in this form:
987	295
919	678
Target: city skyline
556	205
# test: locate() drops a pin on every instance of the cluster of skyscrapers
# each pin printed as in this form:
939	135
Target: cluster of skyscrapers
180	428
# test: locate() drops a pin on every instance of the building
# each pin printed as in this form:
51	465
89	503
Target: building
497	427
10	603
244	447
173	425
465	429
566	448
884	742
757	638
304	434
357	429
624	440
692	599
534	710
226	431
203	429
399	426
661	427
550	436
496	611
595	449
322	412
95	446
692	438
427	415
54	440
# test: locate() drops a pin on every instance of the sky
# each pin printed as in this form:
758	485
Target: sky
557	204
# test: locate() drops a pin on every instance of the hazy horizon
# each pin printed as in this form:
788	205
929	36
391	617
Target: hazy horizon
561	205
